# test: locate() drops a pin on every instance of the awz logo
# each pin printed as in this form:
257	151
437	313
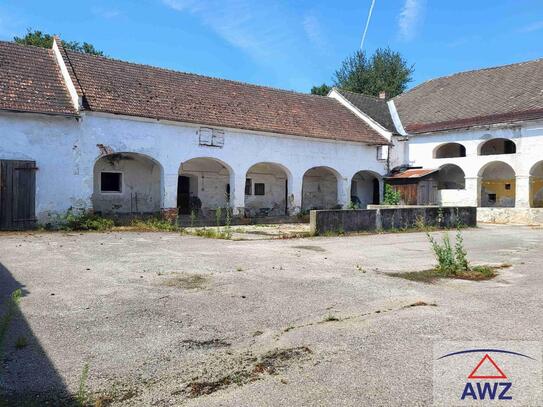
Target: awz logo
487	381
484	389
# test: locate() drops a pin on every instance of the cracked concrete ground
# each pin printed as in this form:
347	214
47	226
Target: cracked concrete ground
163	319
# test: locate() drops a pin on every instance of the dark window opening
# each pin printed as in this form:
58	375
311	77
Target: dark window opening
111	182
492	198
508	187
227	192
248	184
498	146
260	189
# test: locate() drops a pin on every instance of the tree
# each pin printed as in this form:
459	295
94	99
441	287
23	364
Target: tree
40	39
386	71
321	90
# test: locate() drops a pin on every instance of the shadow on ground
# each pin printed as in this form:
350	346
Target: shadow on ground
27	376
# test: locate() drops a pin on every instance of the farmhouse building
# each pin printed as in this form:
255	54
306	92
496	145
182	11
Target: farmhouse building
93	133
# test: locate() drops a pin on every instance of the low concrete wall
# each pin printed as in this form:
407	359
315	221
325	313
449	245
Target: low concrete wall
359	220
514	216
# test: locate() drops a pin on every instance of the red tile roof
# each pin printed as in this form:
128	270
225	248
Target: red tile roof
30	81
125	88
486	96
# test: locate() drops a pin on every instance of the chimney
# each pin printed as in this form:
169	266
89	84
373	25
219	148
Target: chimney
382	95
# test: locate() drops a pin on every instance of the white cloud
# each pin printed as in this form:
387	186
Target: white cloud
410	18
313	31
261	31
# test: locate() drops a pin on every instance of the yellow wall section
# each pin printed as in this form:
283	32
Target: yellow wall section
536	192
497	187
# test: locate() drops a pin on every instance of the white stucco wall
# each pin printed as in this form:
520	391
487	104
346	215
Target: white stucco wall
527	136
65	151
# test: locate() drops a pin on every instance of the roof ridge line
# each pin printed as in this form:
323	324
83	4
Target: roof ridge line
199	75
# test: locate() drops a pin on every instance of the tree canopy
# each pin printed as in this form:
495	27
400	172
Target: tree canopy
40	39
321	90
385	71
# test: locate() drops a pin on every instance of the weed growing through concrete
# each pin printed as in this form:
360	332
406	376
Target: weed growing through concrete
330	318
191	281
82	397
81	220
452	262
212	233
359	268
155	224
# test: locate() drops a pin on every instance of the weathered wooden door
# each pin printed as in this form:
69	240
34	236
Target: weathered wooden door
17	194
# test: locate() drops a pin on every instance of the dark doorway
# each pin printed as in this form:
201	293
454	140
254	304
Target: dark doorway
183	195
376	192
17	195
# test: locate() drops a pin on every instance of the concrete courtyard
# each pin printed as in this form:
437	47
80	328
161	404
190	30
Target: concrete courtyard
162	319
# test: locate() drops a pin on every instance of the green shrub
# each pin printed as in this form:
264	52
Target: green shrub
352	205
450	260
391	197
83	220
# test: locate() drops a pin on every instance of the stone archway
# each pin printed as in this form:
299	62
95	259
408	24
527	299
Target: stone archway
266	190
498	185
320	188
127	183
203	186
365	189
536	185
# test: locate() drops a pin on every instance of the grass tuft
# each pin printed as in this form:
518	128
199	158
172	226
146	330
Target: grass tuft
155	224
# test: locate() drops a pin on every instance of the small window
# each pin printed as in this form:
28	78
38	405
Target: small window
260	189
111	182
248	186
492	198
382	153
508	187
206	136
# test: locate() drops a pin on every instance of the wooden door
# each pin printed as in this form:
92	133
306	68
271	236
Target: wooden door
17	194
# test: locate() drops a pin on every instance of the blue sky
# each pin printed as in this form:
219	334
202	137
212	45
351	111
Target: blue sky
290	44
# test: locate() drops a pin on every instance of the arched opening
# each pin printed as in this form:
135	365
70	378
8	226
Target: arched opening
497	146
319	189
497	185
536	186
203	186
266	190
451	176
450	150
127	183
365	189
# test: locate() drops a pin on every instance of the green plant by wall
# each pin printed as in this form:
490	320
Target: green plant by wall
391	196
352	205
218	216
82	220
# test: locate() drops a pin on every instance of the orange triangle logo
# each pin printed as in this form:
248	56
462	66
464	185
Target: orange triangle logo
487	358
